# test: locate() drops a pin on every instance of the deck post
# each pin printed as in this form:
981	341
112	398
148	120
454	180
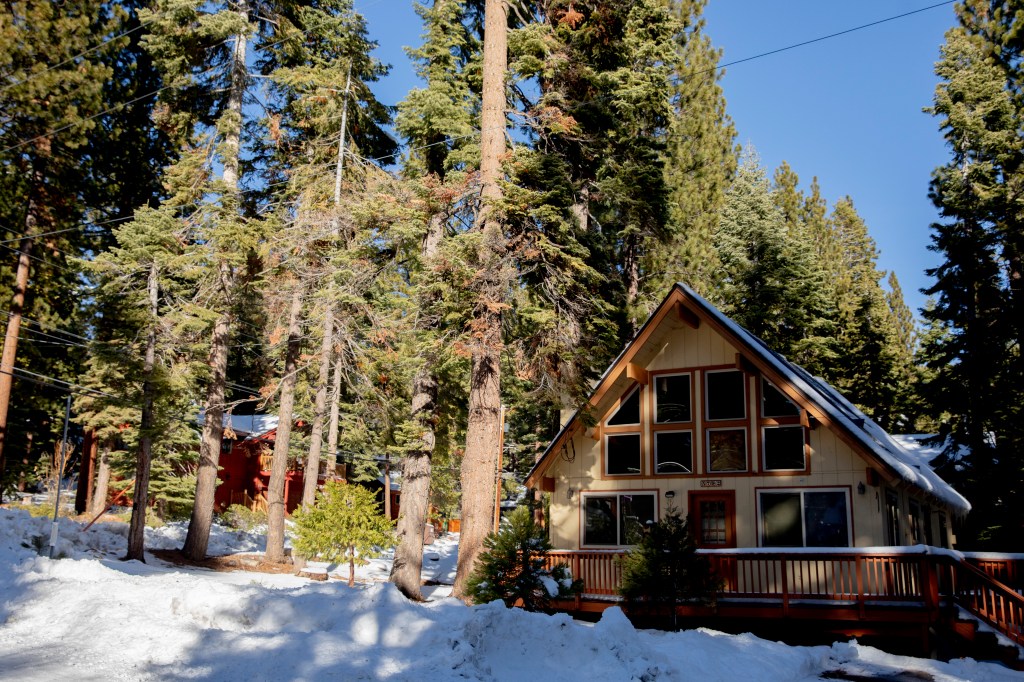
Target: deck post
859	561
785	586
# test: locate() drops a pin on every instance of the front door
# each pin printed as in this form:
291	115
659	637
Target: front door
713	519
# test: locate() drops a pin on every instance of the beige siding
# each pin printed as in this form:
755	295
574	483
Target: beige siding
833	463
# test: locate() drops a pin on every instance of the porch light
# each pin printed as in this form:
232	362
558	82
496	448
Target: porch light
570	492
669	494
861	488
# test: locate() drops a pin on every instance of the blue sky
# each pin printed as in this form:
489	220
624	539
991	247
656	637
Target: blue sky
847	109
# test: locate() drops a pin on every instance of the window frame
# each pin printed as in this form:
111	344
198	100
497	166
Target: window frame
765	428
618	494
708	469
801	491
706	396
693	453
616	430
654	397
606	453
765	423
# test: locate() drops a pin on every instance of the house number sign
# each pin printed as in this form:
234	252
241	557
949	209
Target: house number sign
711	483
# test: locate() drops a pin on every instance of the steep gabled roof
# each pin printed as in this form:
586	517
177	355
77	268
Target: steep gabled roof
820	399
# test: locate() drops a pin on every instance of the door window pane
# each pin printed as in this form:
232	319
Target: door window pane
713	523
628	412
774	403
622	453
727	450
672	398
600	520
780	520
784	448
673	452
726	395
825	519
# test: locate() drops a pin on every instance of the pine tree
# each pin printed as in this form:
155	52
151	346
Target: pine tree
770	283
52	91
513	567
345	524
664	569
437	122
974	331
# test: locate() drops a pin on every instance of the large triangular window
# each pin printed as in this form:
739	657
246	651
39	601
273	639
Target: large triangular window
628	413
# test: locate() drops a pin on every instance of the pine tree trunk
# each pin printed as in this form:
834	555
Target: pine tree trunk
99	494
279	465
198	537
407	568
480	461
10	351
335	397
316	435
140	500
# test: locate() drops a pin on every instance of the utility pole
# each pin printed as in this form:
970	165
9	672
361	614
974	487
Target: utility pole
60	475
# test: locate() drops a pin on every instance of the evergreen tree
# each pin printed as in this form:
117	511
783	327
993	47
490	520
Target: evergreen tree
345	524
513	567
52	91
437	122
665	569
770	283
973	344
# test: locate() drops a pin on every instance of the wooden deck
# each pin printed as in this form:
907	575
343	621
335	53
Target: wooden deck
855	592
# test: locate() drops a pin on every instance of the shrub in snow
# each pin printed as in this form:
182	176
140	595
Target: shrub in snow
511	568
345	524
664	569
240	517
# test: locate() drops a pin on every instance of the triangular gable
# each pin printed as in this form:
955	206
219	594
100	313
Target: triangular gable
815	396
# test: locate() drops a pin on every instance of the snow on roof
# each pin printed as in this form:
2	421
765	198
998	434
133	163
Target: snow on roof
839	409
246	426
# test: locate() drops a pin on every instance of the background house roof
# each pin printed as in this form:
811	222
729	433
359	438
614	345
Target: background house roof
246	426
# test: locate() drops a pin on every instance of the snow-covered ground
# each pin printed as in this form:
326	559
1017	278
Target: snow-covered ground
91	616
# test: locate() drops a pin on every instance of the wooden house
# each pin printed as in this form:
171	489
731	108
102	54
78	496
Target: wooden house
807	508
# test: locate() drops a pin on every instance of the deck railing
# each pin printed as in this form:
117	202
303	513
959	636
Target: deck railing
857	579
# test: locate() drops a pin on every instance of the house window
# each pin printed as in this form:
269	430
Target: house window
616	518
916	534
628	413
727	450
892	518
673	452
774	403
622	454
672	398
783	448
804	518
726	394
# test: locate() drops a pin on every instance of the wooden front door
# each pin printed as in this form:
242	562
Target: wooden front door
713	519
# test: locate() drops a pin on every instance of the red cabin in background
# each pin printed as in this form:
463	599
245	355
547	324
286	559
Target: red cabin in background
245	457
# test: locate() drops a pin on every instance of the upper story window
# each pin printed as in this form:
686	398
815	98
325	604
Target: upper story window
672	398
725	395
774	403
628	412
623	440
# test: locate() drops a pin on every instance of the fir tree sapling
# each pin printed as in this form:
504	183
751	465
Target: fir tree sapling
512	567
665	569
345	524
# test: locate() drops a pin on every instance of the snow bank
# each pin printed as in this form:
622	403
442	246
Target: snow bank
91	616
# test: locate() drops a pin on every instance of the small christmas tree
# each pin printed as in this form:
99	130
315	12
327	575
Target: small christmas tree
345	524
512	567
665	568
